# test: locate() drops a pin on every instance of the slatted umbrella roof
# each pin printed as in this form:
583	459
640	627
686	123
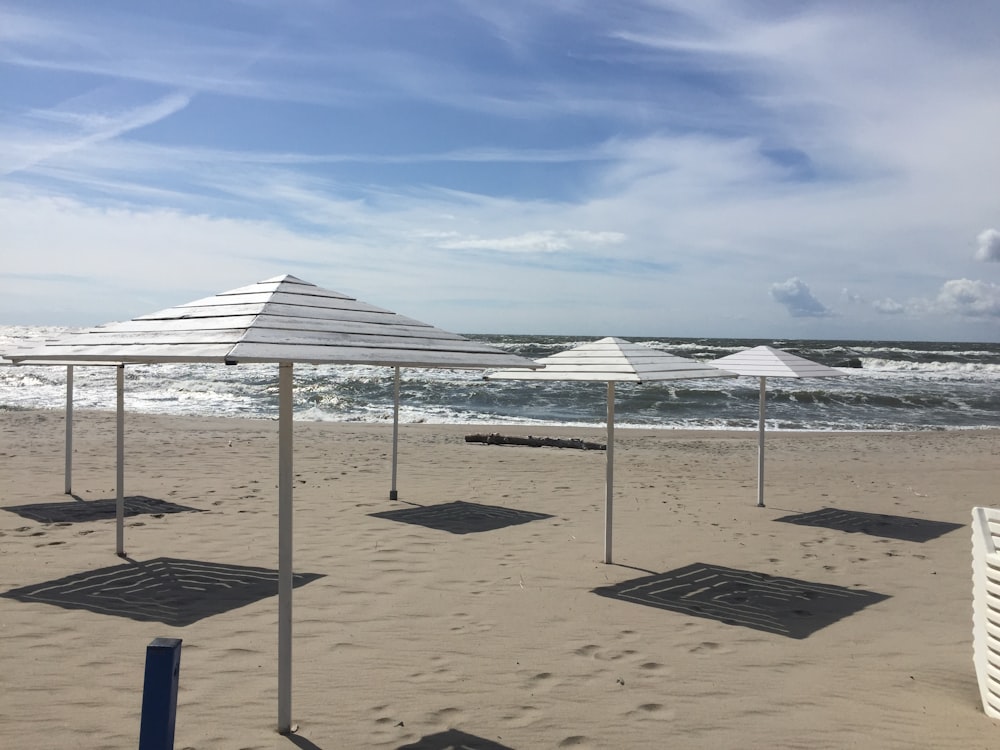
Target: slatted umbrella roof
613	359
768	362
282	319
765	362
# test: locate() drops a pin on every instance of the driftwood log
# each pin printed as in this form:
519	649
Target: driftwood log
535	442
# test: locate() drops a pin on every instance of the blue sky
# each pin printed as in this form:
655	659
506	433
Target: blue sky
638	167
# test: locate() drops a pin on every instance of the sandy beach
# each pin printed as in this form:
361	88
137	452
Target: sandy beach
839	616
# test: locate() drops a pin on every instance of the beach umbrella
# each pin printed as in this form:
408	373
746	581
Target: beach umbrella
767	362
283	320
612	360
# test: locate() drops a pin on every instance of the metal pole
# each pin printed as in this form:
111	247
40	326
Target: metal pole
393	494
69	429
760	444
285	478
120	468
609	482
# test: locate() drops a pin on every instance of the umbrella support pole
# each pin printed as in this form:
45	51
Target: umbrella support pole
760	443
69	430
393	493
609	482
120	468
285	478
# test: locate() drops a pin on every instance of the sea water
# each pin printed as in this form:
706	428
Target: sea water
886	385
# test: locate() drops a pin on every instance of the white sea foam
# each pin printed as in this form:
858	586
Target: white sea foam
899	387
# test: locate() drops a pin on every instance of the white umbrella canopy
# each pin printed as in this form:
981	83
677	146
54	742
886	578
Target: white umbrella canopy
612	360
767	362
282	320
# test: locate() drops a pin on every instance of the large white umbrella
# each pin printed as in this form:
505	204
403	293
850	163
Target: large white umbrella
767	362
282	320
612	360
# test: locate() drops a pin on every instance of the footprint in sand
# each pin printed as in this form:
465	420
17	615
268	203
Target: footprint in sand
576	740
540	682
441	672
710	647
522	716
450	716
468	625
596	652
651	666
384	724
655	711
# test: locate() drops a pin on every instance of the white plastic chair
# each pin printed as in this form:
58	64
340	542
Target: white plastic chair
986	606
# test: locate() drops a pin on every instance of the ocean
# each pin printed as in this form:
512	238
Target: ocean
887	385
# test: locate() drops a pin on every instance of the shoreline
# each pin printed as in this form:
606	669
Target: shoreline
411	628
599	427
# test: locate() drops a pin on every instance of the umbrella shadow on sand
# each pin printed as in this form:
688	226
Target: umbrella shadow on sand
874	524
461	517
82	511
453	739
169	590
783	606
450	739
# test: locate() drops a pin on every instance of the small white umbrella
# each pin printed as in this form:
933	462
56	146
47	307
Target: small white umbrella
611	360
767	362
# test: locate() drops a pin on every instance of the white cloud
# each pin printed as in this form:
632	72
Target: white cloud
889	306
970	299
715	146
799	300
988	246
545	241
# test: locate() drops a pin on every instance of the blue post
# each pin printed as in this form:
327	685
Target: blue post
159	694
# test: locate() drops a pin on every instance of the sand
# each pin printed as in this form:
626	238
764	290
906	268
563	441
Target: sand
410	635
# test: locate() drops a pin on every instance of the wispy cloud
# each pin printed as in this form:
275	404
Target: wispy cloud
545	241
74	129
